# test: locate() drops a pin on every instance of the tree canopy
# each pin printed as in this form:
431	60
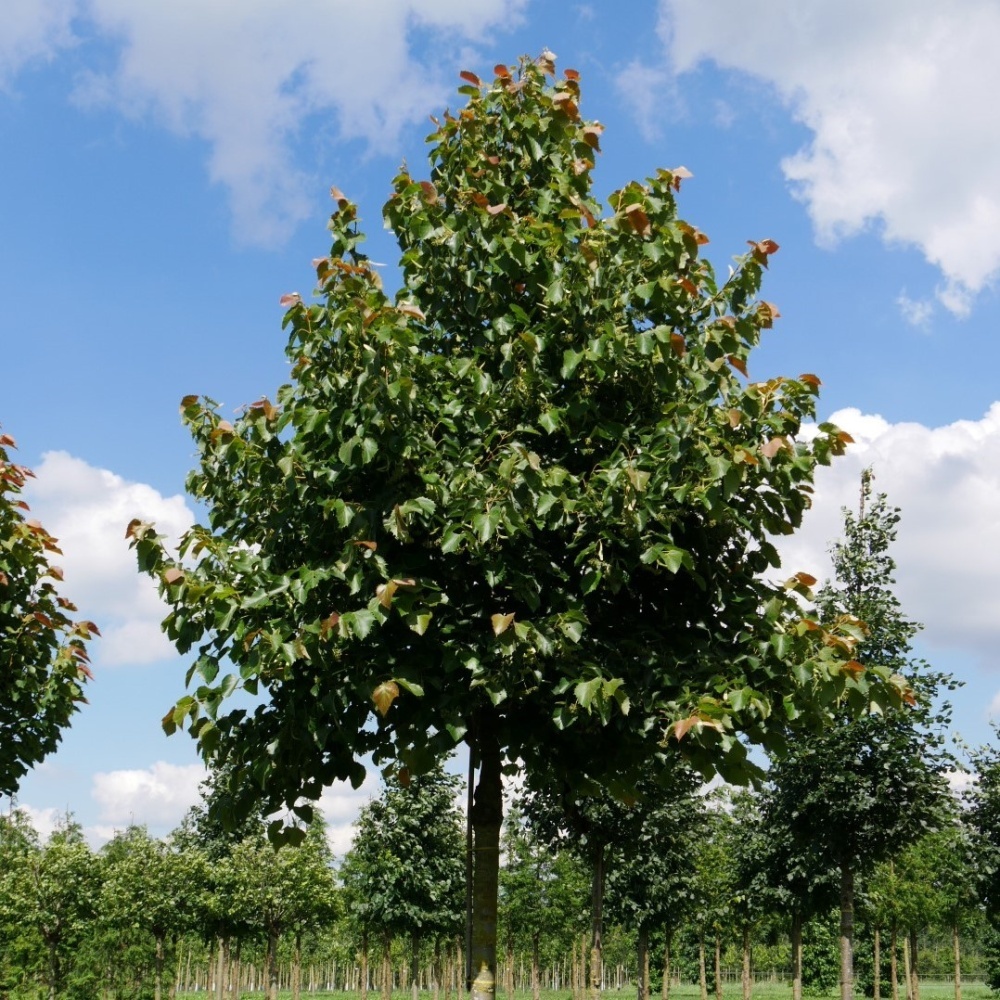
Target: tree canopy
867	787
524	503
43	654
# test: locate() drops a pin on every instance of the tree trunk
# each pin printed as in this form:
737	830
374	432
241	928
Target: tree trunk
718	965
236	971
914	973
55	970
642	954
469	867
272	964
877	963
957	952
572	970
438	971
414	966
386	967
907	976
487	816
846	932
297	967
597	922
536	983
364	964
894	961
222	968
745	979
508	972
797	956
702	972
665	991
179	952
158	968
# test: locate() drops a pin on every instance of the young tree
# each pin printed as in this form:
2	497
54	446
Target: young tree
54	892
273	892
43	655
524	504
938	888
405	872
18	845
650	882
869	786
797	881
543	893
983	799
148	887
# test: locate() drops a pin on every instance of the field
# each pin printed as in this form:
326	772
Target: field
929	990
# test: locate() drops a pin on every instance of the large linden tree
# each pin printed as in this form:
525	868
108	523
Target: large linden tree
523	504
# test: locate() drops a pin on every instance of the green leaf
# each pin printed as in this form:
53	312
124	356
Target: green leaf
419	622
586	691
571	359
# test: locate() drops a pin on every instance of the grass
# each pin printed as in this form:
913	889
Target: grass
686	991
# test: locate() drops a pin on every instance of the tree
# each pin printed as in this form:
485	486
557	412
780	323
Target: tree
18	845
275	891
983	798
405	872
650	882
797	881
938	887
53	891
869	786
543	893
43	654
150	888
523	504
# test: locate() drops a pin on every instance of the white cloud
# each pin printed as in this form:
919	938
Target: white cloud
960	781
252	77
33	30
642	88
159	795
893	94
916	312
87	510
44	821
340	804
946	481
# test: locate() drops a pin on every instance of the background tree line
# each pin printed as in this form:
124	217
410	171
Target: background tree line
148	918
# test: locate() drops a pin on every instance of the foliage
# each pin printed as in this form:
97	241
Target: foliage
52	893
526	503
863	790
43	655
984	821
534	487
543	892
269	892
867	787
650	879
405	871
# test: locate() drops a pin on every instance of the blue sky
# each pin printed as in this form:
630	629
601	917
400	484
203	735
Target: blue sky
165	180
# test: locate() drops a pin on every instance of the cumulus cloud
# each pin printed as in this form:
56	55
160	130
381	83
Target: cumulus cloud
641	88
87	509
44	821
916	312
159	795
33	30
893	95
946	480
340	805
252	77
